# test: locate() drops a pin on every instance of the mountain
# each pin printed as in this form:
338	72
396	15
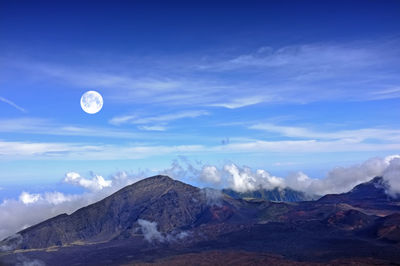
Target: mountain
370	196
172	204
276	194
163	221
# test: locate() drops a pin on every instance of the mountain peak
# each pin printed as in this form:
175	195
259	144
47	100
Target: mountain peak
155	183
370	193
375	184
170	203
377	179
156	178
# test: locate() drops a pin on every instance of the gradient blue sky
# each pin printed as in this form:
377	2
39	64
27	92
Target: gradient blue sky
278	85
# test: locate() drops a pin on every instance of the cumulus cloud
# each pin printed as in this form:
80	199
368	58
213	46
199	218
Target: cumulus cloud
210	174
16	215
338	180
96	183
343	179
27	198
242	179
32	208
392	176
245	179
298	181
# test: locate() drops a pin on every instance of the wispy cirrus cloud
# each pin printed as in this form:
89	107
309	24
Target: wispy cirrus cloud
327	55
41	126
15	150
297	73
158	119
11	103
305	133
317	71
238	103
153	128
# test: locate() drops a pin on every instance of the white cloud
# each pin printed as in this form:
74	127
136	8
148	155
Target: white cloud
15	148
298	181
118	120
133	119
241	181
32	208
238	103
153	128
4	100
28	198
388	93
357	134
210	174
338	180
245	179
300	73
309	56
305	146
48	127
56	198
150	232
343	179
392	175
80	151
96	183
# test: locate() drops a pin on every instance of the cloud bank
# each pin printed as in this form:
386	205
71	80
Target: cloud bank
31	208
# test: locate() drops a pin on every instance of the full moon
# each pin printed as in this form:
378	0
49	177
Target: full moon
91	102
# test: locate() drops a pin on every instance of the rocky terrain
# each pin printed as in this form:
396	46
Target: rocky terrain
162	221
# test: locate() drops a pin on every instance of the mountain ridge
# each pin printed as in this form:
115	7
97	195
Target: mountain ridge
173	204
181	218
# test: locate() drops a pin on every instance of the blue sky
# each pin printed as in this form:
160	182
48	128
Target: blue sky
283	86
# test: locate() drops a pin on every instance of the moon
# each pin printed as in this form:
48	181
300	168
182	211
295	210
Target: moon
91	102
